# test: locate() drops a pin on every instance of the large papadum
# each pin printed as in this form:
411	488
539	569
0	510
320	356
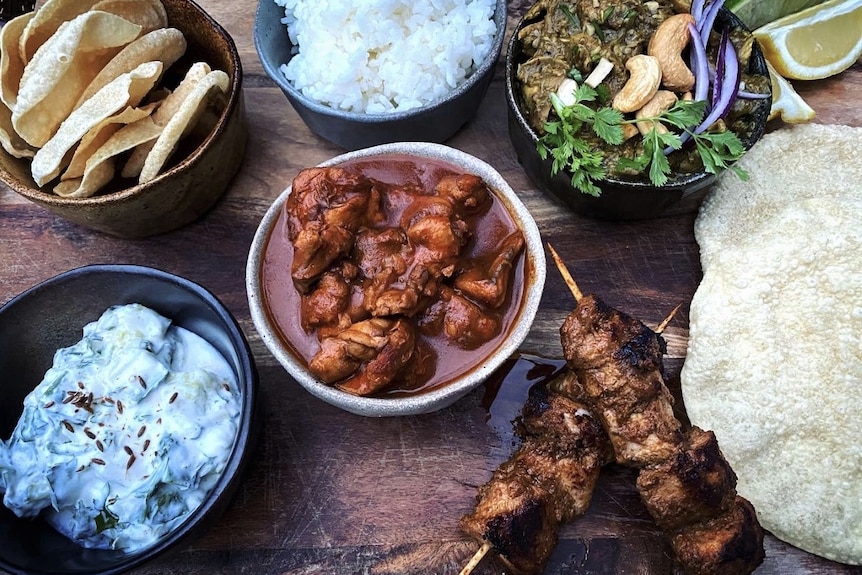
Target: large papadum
774	363
62	68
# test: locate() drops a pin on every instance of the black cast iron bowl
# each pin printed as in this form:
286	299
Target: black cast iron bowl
624	198
435	122
52	315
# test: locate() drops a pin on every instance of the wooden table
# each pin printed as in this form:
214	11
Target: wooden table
334	493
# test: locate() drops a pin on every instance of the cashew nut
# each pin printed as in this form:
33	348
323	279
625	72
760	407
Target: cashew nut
663	100
642	84
629	131
667	45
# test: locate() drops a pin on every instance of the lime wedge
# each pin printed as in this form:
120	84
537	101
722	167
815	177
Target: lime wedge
756	13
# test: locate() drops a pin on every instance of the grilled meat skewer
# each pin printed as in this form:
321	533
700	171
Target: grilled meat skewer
547	482
684	480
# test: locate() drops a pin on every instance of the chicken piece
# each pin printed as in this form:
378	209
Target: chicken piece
517	517
695	485
489	283
324	209
326	303
385	259
459	319
380	371
467	193
618	362
549	480
342	355
334	303
316	248
442	237
333	197
567	447
730	544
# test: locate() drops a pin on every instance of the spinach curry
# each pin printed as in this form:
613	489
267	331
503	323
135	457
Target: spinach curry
567	38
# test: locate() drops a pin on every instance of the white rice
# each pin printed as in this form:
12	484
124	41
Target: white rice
382	56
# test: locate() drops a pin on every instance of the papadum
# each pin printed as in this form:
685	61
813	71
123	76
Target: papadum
774	362
126	90
100	169
62	68
11	63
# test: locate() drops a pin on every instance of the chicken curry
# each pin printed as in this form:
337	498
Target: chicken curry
403	273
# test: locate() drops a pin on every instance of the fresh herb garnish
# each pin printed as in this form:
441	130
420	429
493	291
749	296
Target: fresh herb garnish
106	520
572	153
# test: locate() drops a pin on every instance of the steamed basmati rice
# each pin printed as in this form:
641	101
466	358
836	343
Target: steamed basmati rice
382	56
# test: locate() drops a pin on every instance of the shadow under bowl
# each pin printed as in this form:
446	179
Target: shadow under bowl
621	198
450	391
51	315
197	174
435	122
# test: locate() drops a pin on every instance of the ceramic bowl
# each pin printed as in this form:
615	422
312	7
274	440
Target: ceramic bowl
622	198
435	122
460	385
197	174
52	315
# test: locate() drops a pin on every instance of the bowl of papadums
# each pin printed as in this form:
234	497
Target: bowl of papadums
125	117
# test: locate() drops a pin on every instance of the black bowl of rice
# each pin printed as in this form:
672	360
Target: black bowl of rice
363	74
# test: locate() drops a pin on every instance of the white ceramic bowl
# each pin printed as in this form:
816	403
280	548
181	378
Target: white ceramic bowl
447	393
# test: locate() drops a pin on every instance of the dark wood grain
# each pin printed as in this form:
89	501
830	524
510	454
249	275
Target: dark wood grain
334	493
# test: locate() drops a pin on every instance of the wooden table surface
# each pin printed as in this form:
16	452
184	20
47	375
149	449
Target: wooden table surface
334	493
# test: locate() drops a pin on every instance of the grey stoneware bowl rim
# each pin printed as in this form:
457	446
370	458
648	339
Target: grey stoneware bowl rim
449	393
486	67
233	100
679	185
222	494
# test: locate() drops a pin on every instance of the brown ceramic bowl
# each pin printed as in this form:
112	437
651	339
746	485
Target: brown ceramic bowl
199	171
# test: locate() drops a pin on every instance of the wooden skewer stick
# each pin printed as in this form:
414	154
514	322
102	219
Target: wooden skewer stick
567	277
476	558
668	319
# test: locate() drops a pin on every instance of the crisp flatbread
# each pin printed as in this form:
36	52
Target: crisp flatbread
774	361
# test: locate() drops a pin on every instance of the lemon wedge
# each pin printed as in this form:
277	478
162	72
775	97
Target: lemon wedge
786	102
815	43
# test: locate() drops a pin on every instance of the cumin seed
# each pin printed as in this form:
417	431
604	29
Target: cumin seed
142	430
120	406
49	404
141	381
127	449
68	426
146	445
98	461
173	397
131	461
89	433
99	445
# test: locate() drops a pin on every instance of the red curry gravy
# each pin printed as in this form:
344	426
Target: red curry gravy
491	226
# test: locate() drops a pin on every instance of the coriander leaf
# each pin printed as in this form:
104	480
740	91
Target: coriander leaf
607	126
684	114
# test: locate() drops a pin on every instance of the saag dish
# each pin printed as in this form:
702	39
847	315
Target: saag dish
626	89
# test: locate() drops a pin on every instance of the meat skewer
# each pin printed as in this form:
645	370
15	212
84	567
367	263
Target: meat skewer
547	482
687	485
